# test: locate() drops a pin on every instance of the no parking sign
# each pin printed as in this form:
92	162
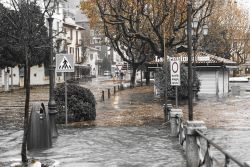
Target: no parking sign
175	73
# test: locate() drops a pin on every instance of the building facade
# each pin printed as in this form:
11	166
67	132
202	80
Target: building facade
68	39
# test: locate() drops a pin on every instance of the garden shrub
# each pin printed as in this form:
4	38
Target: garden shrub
160	81
81	103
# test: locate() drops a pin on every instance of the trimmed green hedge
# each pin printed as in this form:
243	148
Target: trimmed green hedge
81	103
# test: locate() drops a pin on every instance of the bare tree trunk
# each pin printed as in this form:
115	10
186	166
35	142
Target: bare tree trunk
132	80
147	76
24	82
11	73
26	112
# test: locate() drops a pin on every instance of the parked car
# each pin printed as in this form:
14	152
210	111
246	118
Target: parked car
107	73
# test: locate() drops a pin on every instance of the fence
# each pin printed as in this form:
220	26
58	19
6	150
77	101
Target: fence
196	144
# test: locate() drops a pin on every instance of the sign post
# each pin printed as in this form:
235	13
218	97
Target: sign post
65	63
175	77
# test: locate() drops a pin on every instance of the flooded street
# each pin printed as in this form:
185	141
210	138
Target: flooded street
104	146
234	141
128	130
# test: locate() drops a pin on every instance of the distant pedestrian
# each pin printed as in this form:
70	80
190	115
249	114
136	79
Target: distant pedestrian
121	75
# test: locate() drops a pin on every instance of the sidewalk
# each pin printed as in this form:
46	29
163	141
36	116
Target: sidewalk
129	107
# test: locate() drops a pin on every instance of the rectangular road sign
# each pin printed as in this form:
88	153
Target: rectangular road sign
65	63
175	73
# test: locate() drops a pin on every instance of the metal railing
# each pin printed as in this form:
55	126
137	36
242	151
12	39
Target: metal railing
206	158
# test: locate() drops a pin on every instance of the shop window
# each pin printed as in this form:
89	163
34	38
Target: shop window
247	70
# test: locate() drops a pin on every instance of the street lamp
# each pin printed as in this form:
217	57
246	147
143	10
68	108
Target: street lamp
50	6
192	38
189	41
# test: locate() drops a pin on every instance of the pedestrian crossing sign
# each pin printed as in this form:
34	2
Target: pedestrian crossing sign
64	63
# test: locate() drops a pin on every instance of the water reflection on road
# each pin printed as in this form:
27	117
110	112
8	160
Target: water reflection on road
105	146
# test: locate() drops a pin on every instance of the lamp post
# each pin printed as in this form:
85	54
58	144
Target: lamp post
50	9
190	78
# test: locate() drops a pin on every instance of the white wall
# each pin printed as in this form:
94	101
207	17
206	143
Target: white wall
226	77
212	79
92	62
37	76
208	82
15	73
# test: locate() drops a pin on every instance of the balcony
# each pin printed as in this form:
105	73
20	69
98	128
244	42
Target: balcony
69	40
79	43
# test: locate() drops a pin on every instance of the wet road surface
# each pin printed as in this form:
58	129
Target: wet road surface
128	131
108	142
104	146
234	141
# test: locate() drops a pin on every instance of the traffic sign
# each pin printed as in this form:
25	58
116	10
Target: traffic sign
64	63
175	73
119	66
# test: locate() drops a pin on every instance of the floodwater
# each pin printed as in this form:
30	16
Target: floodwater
128	130
234	141
102	146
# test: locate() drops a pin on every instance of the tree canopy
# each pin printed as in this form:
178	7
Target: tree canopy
139	30
158	23
22	27
228	36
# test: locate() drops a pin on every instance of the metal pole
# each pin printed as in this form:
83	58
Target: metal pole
66	99
52	103
108	93
176	96
194	68
190	85
165	63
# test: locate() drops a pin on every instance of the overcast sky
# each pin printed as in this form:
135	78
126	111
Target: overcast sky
72	5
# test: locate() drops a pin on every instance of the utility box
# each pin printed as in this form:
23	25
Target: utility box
39	135
235	90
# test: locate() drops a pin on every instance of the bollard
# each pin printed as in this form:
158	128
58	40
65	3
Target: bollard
167	112
39	134
175	114
102	95
114	90
192	151
108	93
